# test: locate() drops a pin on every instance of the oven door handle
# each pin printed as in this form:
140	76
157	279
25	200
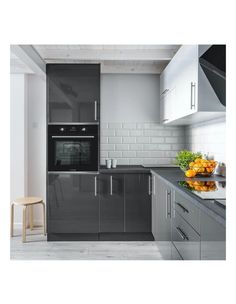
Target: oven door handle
85	136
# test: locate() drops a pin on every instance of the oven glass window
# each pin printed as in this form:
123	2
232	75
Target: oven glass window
71	152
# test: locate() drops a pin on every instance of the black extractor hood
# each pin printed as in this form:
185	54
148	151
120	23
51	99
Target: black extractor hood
213	63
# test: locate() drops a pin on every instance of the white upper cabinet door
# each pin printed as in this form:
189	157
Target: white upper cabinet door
166	106
178	85
186	83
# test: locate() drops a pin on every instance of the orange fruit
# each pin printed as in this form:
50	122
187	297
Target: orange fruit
190	173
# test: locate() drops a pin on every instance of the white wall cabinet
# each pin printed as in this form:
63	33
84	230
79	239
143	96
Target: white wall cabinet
180	85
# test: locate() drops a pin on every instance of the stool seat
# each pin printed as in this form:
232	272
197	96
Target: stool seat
27	203
27	200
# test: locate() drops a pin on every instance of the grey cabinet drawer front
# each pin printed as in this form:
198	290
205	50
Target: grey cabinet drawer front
187	210
185	239
175	254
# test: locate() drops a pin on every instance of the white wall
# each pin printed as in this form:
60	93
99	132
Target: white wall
28	140
37	141
130	98
130	129
18	139
208	137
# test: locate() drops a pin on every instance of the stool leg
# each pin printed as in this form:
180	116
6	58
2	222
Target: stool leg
12	219
44	219
31	215
24	225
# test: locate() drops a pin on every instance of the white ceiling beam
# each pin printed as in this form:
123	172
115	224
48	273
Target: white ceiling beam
28	55
49	54
132	68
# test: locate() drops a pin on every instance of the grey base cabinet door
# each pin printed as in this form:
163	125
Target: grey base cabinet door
185	239
137	203
73	92
72	203
111	202
163	210
161	215
213	235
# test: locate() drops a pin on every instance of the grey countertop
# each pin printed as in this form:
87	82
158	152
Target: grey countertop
125	169
173	176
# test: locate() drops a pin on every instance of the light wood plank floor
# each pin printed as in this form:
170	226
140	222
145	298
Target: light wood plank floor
37	248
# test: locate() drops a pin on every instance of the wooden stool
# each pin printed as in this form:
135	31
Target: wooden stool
27	202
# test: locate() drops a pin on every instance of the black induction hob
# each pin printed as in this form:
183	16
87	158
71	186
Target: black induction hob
207	190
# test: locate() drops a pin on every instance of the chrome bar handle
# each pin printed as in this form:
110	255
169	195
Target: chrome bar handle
74	136
166	204
149	185
181	233
95	110
164	92
168	211
154	185
111	186
95	186
182	207
193	86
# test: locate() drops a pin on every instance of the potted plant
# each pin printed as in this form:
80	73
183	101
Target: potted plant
185	157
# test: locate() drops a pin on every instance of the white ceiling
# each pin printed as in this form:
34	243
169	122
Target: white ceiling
113	58
149	59
17	66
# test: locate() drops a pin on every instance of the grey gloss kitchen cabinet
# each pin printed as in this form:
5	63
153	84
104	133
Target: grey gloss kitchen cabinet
213	239
161	215
73	93
163	210
72	203
111	202
137	202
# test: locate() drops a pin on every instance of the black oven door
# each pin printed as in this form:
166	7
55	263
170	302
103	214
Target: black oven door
73	153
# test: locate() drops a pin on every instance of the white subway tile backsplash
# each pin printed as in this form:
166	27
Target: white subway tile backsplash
135	161
149	147
114	154
136	132
177	147
107	147
115	140
122	147
114	125
173	140
207	137
143	154
107	132
143	140
122	161
121	132
136	147
139	143
103	154
129	125
151	132
104	140
157	154
129	140
127	154
104	125
155	140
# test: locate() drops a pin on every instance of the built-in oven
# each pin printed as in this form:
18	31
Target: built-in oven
73	147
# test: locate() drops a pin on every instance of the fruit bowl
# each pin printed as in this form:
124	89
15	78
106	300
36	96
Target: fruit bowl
203	167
